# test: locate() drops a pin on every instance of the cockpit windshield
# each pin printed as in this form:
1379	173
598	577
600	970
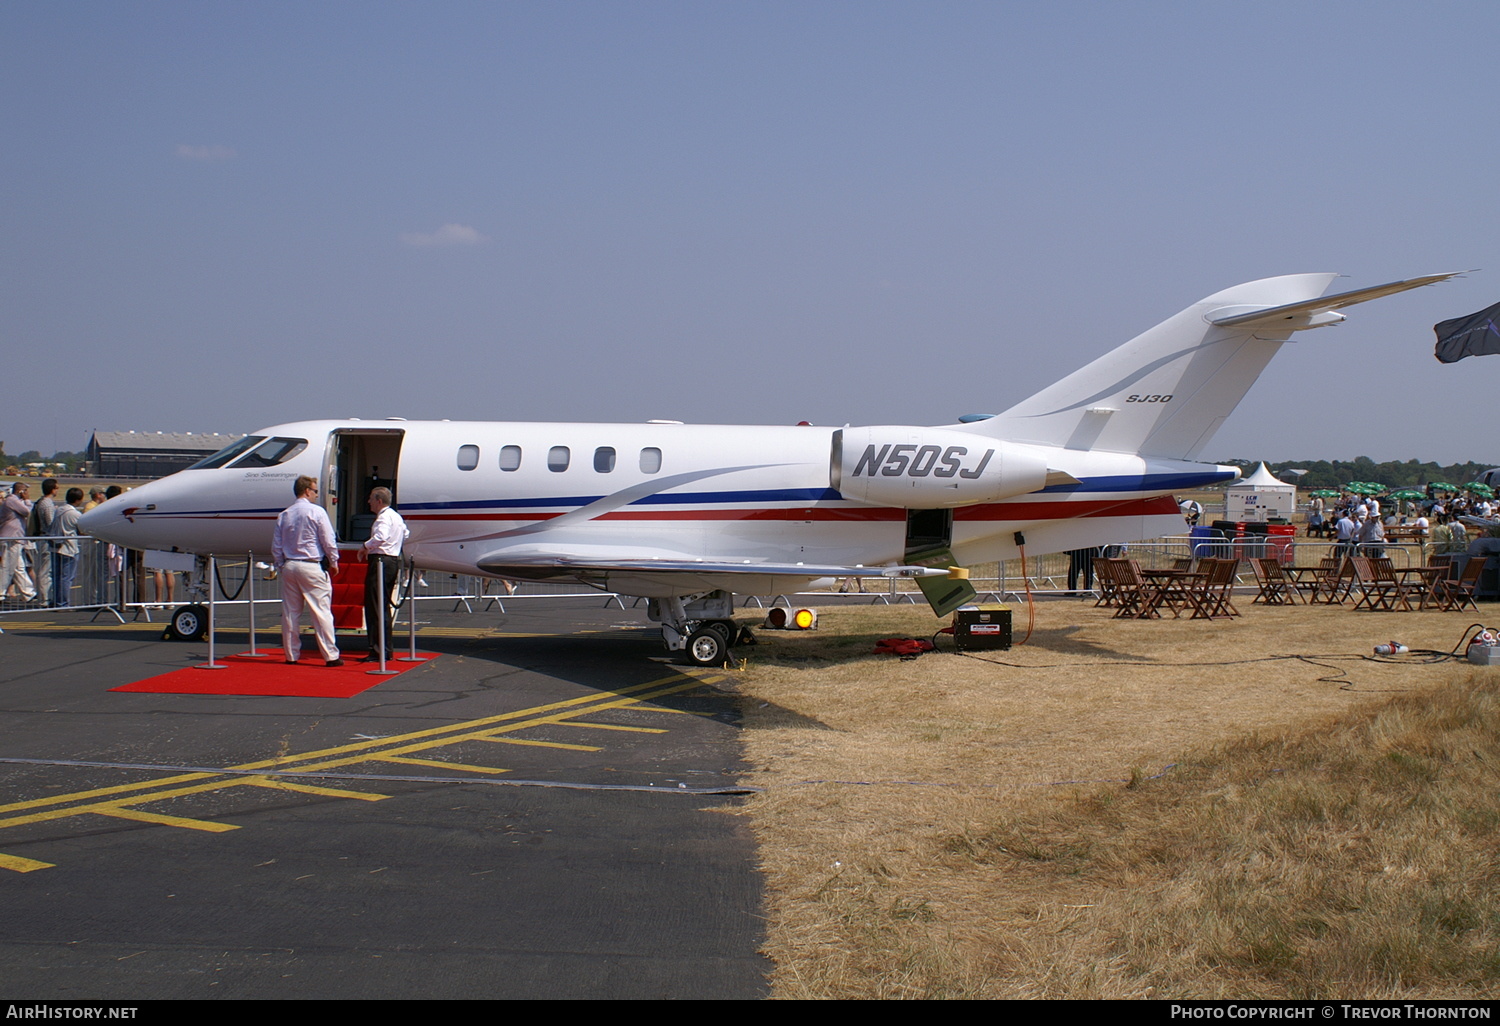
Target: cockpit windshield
228	453
270	453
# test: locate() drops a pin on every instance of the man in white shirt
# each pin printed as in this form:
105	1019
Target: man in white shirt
383	552
301	549
1343	533
65	527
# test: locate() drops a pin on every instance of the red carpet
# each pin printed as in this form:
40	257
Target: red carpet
271	675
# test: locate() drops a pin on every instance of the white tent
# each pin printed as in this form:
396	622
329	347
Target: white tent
1260	496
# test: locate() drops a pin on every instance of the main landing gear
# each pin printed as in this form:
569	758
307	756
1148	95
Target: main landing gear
702	628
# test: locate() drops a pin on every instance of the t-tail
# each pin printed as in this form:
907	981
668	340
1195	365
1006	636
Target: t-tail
1165	392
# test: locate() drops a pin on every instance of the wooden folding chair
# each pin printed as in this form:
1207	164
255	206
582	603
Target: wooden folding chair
1214	602
1458	592
1325	582
1364	582
1387	588
1134	595
1104	578
1276	588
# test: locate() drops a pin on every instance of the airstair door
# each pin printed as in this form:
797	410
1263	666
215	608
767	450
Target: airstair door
360	460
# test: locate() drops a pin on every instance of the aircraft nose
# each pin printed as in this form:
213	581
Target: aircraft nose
109	520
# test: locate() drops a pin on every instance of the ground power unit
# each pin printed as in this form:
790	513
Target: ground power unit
981	627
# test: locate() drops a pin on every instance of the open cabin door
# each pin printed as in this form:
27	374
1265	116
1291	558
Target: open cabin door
359	461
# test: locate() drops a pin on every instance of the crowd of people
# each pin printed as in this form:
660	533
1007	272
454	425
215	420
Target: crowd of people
1363	522
39	545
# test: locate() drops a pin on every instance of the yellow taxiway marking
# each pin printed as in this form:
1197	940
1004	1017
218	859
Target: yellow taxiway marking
539	744
614	726
118	801
278	784
120	812
16	864
439	765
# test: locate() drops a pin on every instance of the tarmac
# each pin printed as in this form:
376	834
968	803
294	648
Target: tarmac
546	810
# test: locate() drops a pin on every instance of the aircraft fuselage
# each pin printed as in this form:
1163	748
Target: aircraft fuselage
514	494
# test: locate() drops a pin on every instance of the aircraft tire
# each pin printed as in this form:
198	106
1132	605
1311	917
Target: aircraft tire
188	623
707	646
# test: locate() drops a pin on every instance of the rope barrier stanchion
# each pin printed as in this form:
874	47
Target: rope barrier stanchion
212	664
380	619
250	583
411	616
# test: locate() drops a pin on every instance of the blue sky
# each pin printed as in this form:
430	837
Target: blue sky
221	216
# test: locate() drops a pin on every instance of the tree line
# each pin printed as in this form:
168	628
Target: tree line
71	461
1392	473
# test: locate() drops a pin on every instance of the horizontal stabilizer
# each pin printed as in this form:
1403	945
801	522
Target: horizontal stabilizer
1315	313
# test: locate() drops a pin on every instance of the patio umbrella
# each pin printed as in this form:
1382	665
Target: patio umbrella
1409	493
1442	486
1480	488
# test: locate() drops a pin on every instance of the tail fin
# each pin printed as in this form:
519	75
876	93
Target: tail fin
1166	391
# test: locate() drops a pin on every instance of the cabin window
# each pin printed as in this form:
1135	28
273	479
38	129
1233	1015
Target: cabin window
269	454
604	459
228	453
510	457
468	457
650	460
557	458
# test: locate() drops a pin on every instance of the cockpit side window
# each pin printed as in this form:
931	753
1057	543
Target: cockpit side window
228	453
271	453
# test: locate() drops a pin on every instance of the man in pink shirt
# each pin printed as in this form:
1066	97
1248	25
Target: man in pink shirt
13	514
306	558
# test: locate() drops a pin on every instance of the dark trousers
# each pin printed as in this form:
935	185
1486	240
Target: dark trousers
1081	562
378	606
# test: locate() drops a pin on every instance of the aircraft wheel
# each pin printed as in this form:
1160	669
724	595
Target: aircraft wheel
707	647
728	628
188	623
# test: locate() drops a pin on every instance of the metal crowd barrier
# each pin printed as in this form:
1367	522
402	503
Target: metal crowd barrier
123	583
38	574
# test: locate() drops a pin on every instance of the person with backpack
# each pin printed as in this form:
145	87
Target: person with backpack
39	525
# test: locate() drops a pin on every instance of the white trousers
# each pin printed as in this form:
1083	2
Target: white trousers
306	585
13	571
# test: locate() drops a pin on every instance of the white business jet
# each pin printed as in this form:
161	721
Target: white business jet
687	515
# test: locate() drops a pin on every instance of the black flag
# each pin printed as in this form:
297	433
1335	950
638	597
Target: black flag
1474	335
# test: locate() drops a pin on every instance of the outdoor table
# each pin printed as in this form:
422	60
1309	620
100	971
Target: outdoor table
1306	578
1167	584
1430	575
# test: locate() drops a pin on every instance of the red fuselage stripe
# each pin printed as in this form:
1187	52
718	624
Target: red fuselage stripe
985	512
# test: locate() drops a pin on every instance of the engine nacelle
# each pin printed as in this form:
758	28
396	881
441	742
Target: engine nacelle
929	468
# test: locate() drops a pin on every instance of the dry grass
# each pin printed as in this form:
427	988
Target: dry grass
958	827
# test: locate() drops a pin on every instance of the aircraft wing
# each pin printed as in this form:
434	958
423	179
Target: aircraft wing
1315	313
527	565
